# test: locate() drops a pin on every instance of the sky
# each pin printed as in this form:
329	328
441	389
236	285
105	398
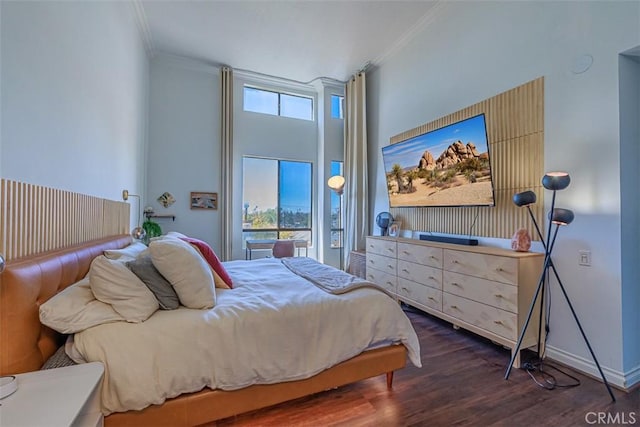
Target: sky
261	184
407	153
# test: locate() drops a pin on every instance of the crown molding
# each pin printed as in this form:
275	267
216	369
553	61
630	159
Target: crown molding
143	26
331	84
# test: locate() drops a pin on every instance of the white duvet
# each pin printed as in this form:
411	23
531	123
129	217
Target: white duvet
272	327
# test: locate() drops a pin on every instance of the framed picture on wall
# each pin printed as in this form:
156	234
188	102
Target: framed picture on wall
394	229
203	200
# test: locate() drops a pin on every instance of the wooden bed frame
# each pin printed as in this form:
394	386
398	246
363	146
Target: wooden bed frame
25	344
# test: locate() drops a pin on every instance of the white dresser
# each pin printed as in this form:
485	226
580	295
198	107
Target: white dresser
58	397
483	289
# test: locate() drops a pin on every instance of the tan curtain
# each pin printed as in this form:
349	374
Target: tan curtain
226	162
355	166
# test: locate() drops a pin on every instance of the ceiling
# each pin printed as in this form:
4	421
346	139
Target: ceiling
297	40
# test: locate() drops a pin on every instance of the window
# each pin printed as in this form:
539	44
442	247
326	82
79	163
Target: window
277	199
337	229
277	103
337	106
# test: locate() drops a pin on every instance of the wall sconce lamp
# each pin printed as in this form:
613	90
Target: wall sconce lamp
554	181
336	184
137	233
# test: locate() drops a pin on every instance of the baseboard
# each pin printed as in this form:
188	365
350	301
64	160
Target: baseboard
622	380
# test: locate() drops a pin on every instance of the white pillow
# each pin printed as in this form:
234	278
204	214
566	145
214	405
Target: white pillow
186	270
76	309
129	252
113	283
175	234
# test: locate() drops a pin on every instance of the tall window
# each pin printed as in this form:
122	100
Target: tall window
278	103
277	199
337	106
337	229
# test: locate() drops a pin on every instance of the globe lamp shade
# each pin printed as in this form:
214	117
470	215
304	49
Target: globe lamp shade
556	180
336	183
525	198
138	233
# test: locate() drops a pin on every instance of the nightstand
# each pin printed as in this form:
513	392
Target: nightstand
67	396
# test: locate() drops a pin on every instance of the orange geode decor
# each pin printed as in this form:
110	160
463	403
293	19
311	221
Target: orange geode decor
521	240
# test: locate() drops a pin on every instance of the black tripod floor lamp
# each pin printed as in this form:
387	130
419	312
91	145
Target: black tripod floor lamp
336	183
553	181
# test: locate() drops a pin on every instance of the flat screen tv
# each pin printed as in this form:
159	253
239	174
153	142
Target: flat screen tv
445	167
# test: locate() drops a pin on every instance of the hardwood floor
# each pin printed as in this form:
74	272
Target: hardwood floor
461	383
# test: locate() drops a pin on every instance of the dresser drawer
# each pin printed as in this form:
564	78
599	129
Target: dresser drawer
382	263
380	278
381	247
492	319
420	293
420	254
423	274
496	294
491	267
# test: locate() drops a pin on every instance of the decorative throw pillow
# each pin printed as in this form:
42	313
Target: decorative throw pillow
217	280
76	309
185	269
160	287
128	252
211	258
113	283
58	360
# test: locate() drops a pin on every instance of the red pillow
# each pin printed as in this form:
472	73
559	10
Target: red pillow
211	258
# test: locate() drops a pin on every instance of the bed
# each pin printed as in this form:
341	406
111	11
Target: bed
25	343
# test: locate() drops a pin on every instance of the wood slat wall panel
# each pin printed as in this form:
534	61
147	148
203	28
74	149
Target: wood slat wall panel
36	219
515	130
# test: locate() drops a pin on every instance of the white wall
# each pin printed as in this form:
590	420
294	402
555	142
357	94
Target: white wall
630	206
184	143
471	51
262	135
74	96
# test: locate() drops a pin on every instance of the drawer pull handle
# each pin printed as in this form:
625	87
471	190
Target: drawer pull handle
390	284
389	265
455	284
499	296
454	306
455	261
390	250
432	298
432	278
406	290
406	252
405	270
497	322
370	261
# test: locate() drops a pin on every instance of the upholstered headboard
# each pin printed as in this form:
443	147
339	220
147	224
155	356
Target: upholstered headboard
25	344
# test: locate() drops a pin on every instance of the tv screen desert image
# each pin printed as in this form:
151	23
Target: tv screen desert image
445	167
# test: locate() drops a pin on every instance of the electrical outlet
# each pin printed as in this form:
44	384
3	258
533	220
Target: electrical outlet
584	258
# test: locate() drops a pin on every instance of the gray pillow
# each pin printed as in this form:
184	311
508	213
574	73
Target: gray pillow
165	294
58	360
